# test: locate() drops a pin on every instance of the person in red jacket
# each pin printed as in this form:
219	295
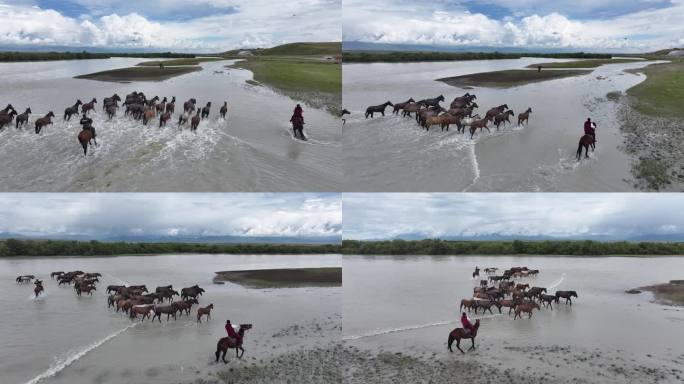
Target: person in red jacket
232	333
466	323
297	121
590	128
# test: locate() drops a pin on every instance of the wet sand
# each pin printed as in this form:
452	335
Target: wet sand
508	78
281	278
142	73
671	293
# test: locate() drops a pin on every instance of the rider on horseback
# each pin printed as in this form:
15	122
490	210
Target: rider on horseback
232	333
590	128
467	326
87	123
297	121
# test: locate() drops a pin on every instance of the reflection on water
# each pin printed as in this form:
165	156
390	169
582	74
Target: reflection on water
393	154
62	338
393	302
252	150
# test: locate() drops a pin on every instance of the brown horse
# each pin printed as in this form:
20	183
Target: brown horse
111	111
585	141
224	110
228	342
148	115
460	333
298	127
567	295
204	311
194	122
6	119
510	304
43	121
526	307
85	137
465	303
399	106
143	310
492	113
206	111
546	300
411	108
87	107
502	118
524	117
23	118
161	107
168	310
164	118
171	107
485	305
481	124
85	289
38	289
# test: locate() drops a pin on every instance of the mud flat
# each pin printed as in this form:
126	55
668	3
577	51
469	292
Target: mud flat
508	78
282	278
520	365
140	74
591	63
671	293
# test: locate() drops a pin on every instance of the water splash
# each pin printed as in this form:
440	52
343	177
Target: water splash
61	363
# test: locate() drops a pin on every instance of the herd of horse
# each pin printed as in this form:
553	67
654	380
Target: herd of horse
519	298
136	301
135	104
461	112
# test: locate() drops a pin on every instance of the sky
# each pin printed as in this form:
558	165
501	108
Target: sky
590	25
178	25
170	214
612	216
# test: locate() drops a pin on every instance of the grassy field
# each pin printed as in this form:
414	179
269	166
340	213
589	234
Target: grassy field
662	93
508	78
592	63
278	278
139	74
177	62
315	81
406	57
304	49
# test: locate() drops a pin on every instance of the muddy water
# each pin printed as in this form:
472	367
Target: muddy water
394	154
409	305
61	338
252	150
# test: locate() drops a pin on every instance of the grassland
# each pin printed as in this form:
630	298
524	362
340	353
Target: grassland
279	278
405	57
311	79
140	74
509	78
591	63
662	93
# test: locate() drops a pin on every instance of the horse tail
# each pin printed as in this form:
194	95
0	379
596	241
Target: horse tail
579	150
450	341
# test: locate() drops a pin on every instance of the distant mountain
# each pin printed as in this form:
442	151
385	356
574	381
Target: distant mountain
375	47
295	49
184	239
655	238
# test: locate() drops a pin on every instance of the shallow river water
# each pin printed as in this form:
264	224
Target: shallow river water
394	154
252	150
62	338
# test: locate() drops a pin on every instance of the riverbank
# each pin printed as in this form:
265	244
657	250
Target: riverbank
671	293
591	63
508	78
312	80
408	57
529	364
283	278
179	62
662	93
140	74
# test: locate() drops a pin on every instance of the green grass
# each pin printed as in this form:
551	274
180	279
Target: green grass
304	49
301	77
662	93
508	78
592	63
177	62
139	73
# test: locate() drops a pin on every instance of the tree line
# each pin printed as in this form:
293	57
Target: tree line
14	248
516	247
84	55
399	57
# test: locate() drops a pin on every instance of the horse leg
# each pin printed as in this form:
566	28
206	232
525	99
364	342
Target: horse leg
242	352
472	346
224	355
458	345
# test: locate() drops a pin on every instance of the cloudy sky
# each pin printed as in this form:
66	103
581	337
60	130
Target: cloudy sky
193	25
584	215
602	25
119	214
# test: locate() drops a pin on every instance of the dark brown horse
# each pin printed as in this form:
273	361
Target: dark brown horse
502	118
193	292
585	141
85	137
89	106
465	303
38	289
6	119
161	107
546	300
206	110
224	110
143	310
43	121
23	118
228	342
492	113
460	333
378	109
171	107
195	121
111	111
163	118
399	106
73	110
168	310
432	102
24	279
526	307
189	106
567	295
481	124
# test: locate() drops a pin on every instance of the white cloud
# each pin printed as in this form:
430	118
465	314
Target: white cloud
257	23
398	22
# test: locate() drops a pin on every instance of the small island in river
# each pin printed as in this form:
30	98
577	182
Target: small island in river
283	278
509	78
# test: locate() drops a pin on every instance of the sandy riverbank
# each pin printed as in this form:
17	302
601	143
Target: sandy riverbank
140	74
281	278
509	78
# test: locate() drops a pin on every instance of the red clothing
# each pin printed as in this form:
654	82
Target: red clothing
466	324
298	111
589	128
233	334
